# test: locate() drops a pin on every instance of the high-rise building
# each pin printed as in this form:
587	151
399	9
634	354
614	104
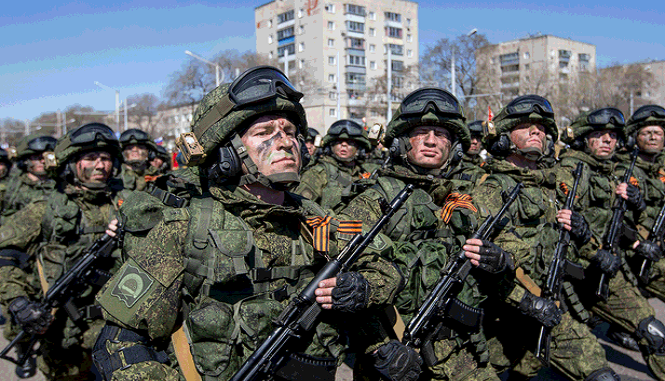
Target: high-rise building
338	51
639	83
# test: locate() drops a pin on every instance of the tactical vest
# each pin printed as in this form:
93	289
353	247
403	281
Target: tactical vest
19	193
340	187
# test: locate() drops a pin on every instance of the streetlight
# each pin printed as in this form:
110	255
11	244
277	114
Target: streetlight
217	78
117	103
125	108
452	65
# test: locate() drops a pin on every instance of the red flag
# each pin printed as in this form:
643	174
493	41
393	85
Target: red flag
490	115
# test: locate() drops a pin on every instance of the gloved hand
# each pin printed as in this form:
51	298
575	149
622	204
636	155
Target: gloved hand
607	262
579	231
635	198
30	316
397	362
541	309
649	250
351	293
494	259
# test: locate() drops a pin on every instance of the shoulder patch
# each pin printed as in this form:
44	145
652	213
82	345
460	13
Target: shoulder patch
131	285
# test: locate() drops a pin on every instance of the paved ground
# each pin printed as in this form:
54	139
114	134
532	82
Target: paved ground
629	365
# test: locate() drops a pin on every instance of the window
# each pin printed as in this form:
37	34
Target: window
564	53
270	54
584	61
409	38
300	13
527	66
332	60
356	43
372	65
354	94
397	50
393	32
409	53
301	46
397	65
330	8
302	29
372	16
372	32
285	33
408	22
286	16
372	47
374	113
527	55
355	78
398	82
391	16
332	112
301	63
354	9
290	49
331	77
332	95
354	26
510	59
331	42
356	60
270	23
331	25
270	39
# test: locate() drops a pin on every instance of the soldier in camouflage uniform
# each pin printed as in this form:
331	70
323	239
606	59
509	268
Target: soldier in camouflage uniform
330	181
138	149
161	163
32	182
593	138
218	272
80	211
432	225
515	311
472	155
5	167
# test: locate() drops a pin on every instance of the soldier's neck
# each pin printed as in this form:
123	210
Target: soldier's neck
37	178
521	161
265	194
648	157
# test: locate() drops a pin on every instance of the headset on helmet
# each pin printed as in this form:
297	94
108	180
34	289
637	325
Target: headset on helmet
346	129
607	118
31	145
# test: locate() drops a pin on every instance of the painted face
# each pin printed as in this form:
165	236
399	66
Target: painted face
345	148
94	167
271	143
528	135
311	148
475	147
36	164
135	152
430	146
650	139
602	143
3	170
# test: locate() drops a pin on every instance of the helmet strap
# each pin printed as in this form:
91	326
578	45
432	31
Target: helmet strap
278	181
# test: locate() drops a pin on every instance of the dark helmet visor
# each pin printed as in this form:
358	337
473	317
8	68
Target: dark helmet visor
646	111
42	143
91	133
606	116
417	102
350	127
529	104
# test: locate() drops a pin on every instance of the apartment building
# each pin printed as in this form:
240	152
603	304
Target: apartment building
643	84
338	50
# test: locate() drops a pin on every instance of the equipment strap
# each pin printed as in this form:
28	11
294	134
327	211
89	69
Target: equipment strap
184	355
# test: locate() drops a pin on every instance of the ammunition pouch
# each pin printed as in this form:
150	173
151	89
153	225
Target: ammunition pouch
300	366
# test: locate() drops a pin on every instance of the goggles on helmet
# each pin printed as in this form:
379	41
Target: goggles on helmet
528	104
606	116
136	135
42	143
91	133
646	111
350	127
417	102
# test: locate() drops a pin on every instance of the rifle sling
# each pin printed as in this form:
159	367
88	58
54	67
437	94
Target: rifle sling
528	283
184	355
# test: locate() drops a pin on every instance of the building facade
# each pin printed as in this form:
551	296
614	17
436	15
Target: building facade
642	83
336	53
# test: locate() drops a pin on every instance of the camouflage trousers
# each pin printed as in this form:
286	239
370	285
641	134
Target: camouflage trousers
574	351
626	307
656	284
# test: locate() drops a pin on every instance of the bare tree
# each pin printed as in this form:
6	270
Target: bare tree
144	114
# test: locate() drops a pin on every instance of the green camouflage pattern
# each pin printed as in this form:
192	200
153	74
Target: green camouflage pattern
580	127
633	126
22	149
504	123
65	151
329	183
363	140
401	125
22	190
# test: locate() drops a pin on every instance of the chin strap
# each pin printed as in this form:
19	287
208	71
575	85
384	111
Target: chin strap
139	166
532	154
279	181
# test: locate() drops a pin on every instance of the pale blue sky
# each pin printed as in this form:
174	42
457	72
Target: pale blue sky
51	55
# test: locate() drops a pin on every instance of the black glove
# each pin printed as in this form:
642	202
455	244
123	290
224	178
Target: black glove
351	293
649	250
635	198
541	309
607	262
397	362
494	259
579	231
30	316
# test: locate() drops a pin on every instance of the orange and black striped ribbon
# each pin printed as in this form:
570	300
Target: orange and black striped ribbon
120	201
149	178
564	188
662	175
634	181
365	175
321	230
456	200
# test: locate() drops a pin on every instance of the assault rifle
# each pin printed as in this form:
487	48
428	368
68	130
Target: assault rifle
424	326
656	236
552	288
303	312
619	209
69	287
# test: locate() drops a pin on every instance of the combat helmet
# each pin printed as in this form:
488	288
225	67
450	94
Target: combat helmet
476	128
31	145
607	118
427	106
523	109
346	129
649	115
4	158
89	137
136	136
227	111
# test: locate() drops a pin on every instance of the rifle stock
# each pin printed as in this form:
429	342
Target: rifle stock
302	313
656	236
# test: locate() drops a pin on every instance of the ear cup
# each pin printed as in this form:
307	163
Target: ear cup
22	165
501	147
151	155
305	157
227	166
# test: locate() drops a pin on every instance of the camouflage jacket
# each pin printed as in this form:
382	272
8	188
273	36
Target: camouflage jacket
21	191
226	265
329	183
139	181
